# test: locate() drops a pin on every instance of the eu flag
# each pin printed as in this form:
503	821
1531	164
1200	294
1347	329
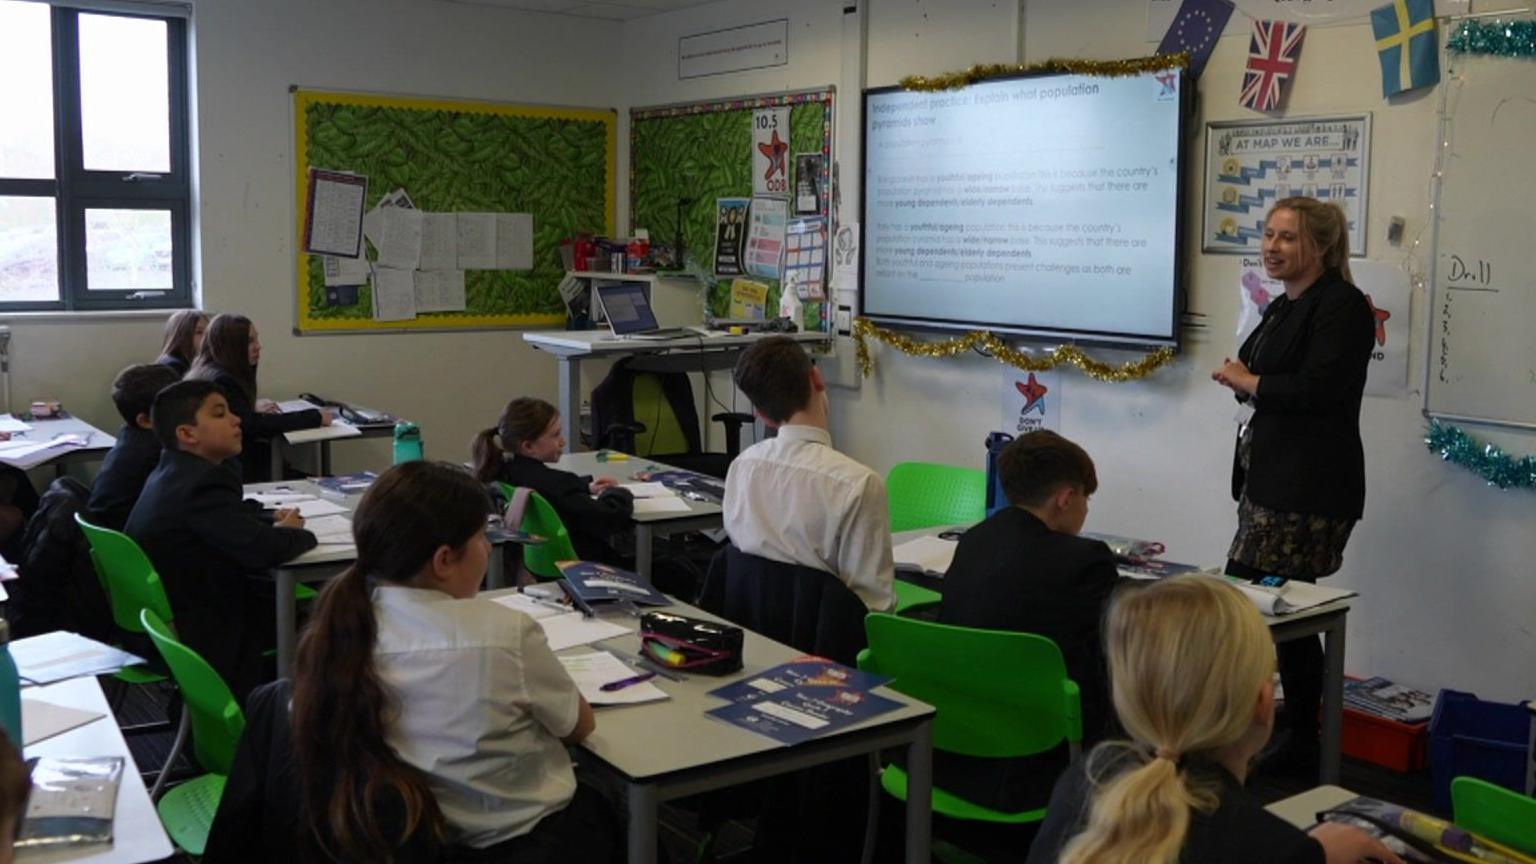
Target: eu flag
1195	29
1407	45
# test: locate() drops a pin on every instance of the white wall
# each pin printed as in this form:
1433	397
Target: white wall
247	55
1444	563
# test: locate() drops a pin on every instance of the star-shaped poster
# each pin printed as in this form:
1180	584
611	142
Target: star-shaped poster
1031	401
770	151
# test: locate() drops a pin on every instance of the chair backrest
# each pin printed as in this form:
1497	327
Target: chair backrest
126	573
662	401
540	518
999	693
925	494
1494	812
217	721
663	428
807	609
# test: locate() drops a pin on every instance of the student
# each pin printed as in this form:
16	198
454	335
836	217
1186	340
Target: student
203	539
231	350
183	339
410	690
137	451
794	499
1192	666
1025	569
593	509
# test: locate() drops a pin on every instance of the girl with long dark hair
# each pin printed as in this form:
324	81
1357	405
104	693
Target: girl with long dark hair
184	333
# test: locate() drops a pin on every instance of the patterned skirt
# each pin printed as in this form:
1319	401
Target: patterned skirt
1294	545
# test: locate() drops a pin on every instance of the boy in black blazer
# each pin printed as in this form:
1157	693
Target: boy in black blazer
203	538
1025	569
129	463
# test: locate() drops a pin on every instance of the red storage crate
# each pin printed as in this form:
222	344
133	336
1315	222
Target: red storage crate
1403	747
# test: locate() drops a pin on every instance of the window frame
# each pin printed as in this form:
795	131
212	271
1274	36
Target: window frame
74	189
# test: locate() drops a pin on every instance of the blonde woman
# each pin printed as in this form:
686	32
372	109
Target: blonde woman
1191	667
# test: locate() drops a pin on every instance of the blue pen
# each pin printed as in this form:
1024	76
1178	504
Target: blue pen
625	682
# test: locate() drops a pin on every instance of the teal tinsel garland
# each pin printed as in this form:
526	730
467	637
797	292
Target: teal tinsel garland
1487	461
1500	38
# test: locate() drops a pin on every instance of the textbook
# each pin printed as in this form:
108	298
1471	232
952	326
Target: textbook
802	673
793	716
592	582
689	484
1381	698
347	484
1288	597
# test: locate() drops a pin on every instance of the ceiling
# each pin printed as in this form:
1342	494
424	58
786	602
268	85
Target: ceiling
608	10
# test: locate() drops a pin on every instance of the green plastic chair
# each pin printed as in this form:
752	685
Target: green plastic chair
926	494
217	723
541	519
1495	812
999	694
911	597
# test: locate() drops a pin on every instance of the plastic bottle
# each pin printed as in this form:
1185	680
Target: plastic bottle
408	445
10	688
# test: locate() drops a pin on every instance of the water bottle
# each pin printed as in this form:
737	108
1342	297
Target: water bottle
10	688
407	442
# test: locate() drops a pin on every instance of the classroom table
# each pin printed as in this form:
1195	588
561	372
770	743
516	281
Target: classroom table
137	833
701	515
321	564
1328	619
707	350
96	447
662	751
1302	808
291	441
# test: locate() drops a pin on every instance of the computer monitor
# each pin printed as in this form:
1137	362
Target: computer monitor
627	307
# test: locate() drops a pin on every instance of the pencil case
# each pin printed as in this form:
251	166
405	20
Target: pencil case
680	642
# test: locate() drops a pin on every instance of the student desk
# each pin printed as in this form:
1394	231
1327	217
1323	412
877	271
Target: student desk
97	444
662	751
137	833
320	564
701	515
699	353
1328	619
1302	808
290	441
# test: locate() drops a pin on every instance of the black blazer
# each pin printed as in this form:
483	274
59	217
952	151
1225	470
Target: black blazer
1311	356
590	521
202	538
259	427
123	472
1239	829
174	362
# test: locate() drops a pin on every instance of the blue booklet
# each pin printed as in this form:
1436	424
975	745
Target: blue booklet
804	673
592	582
503	534
709	488
792	716
347	484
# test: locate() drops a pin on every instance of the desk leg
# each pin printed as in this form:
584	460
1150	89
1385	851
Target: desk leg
643	542
569	370
277	457
920	795
495	576
643	806
286	616
325	459
1333	701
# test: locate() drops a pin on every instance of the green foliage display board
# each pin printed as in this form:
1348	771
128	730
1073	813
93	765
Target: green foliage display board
701	152
454	156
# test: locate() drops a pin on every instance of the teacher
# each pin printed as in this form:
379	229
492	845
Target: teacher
1298	473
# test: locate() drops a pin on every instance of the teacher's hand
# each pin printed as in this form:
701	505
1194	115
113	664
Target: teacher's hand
1234	374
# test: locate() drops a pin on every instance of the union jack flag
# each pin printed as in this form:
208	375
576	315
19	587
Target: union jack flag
1272	53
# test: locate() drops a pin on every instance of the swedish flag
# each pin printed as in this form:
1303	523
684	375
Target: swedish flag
1407	45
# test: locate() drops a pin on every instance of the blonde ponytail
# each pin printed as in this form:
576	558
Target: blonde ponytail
1188	657
1325	229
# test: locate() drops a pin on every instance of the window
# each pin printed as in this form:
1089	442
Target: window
94	159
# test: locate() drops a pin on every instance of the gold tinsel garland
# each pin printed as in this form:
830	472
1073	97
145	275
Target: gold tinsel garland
863	331
1102	68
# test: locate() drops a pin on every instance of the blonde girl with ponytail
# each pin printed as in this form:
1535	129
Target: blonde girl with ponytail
1191	666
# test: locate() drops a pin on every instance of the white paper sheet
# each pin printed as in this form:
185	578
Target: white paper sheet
439	242
9	423
477	241
591	671
533	608
401	238
671	504
336	212
59	655
394	295
336	530
345	271
930	554
514	241
339	428
42	720
439	291
648	490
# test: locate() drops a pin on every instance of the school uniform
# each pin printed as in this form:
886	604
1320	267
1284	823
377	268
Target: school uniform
123	472
203	539
174	362
591	521
1011	572
1239	829
259	427
483	706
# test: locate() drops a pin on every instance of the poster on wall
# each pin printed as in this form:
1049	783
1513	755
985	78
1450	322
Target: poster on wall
1251	164
770	151
1031	401
765	237
752	46
808	182
1390	292
805	257
730	230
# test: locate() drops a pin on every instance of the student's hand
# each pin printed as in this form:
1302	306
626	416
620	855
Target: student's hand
267	406
326	416
601	483
1346	844
288	517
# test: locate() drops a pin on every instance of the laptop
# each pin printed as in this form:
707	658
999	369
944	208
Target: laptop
629	312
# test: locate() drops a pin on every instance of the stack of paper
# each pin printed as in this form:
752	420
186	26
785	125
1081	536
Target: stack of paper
1290	597
59	655
562	629
339	428
334	530
931	555
592	671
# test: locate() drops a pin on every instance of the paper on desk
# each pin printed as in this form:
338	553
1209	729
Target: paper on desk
929	554
334	530
339	428
16	448
59	655
534	609
439	291
649	490
394	295
315	508
439	242
669	504
569	629
591	671
294	406
9	423
42	720
1291	597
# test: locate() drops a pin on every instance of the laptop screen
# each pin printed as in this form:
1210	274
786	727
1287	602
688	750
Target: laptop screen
628	309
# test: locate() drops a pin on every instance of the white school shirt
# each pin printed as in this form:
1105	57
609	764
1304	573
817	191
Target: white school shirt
794	499
482	704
